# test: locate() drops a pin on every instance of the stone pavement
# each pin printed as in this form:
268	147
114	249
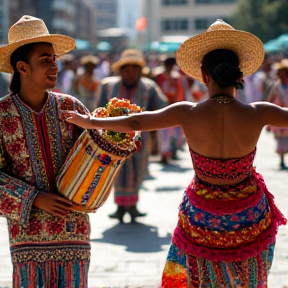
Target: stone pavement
133	255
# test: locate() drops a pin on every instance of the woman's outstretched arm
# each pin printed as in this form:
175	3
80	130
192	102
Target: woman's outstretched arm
172	115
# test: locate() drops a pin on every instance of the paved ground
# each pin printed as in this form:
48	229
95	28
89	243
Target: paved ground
133	255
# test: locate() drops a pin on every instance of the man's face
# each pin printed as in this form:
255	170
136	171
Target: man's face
130	74
42	68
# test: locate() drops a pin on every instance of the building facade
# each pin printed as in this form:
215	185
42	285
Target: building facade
129	11
74	18
106	14
168	18
4	21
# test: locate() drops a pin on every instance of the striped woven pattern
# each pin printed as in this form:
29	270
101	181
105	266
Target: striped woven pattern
90	169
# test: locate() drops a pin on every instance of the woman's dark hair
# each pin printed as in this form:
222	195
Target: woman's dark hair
223	66
23	53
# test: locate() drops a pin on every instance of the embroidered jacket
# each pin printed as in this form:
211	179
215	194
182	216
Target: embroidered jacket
33	147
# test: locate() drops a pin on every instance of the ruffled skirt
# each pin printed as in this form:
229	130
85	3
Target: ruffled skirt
225	236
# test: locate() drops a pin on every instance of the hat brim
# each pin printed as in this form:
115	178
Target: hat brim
247	46
122	62
62	44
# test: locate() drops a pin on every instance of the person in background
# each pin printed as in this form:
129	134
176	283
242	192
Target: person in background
86	83
49	235
103	69
66	74
145	93
227	221
170	140
5	79
195	91
279	96
263	80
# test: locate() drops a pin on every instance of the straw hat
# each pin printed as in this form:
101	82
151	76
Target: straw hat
89	59
283	64
31	30
66	58
129	57
220	35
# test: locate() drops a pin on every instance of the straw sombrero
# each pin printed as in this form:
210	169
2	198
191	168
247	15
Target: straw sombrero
129	57
283	64
31	30
84	60
220	35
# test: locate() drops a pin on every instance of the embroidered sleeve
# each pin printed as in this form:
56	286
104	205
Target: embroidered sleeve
16	198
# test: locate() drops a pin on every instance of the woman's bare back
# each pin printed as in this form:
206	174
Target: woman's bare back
222	130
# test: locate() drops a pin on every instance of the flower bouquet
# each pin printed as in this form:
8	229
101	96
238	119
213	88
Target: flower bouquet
93	163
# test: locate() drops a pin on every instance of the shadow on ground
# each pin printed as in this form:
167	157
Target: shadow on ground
176	168
137	237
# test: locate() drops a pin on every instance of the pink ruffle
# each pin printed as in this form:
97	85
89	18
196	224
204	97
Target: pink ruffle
185	242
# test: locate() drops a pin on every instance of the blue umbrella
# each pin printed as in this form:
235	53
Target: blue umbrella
272	46
168	47
104	46
82	44
283	40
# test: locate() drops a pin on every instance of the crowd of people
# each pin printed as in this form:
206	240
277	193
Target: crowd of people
268	83
228	221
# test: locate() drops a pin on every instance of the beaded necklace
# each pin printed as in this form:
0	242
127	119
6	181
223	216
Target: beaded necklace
222	98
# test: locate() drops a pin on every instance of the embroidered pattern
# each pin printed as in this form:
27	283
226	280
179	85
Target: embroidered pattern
33	147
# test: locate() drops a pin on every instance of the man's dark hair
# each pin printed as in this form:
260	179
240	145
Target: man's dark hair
23	53
223	66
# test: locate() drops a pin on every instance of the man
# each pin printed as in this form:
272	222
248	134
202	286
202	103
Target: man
49	238
146	94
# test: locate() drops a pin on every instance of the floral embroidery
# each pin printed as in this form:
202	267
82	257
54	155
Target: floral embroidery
35	235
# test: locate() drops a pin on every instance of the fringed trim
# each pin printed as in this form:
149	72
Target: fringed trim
51	274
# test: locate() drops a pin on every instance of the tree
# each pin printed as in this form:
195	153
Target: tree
267	19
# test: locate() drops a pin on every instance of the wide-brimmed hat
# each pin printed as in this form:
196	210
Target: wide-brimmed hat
283	64
129	57
220	35
66	58
31	30
84	60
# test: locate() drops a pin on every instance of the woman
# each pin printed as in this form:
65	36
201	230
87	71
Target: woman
228	221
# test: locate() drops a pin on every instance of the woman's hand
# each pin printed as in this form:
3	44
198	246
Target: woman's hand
81	120
56	204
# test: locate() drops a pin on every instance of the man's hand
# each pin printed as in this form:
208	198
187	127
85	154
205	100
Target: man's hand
55	204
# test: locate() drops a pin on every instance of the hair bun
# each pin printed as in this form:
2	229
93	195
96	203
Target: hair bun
226	74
